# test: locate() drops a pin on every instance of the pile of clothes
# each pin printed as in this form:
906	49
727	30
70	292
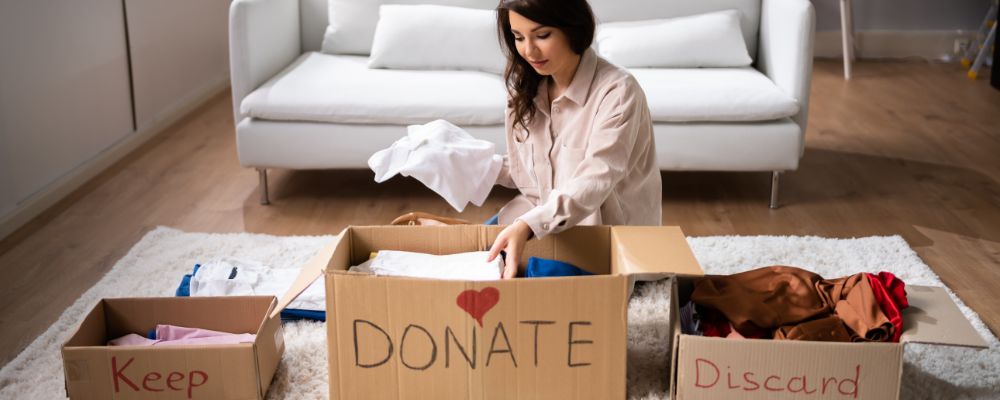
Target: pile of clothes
228	276
172	335
470	266
789	303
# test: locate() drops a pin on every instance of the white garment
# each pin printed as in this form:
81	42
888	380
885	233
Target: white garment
446	158
254	279
471	266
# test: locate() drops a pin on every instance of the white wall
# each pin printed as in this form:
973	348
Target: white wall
908	29
904	15
64	94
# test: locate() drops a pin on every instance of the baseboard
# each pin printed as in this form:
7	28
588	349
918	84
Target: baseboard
52	193
928	45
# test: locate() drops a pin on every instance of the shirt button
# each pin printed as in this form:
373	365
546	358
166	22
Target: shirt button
555	109
545	226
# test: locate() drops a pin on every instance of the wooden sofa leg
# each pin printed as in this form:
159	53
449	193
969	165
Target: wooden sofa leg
264	200
775	176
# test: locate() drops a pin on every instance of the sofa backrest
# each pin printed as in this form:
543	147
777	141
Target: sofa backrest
314	14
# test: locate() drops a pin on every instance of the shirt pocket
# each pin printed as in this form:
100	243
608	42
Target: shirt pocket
522	169
568	162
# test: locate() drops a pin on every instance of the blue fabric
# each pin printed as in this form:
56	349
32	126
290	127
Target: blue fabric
184	290
541	267
288	314
295	314
494	220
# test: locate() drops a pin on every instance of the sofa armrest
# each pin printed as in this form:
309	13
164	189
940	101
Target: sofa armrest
264	37
787	32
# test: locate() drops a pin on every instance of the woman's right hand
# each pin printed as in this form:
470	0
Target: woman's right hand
510	240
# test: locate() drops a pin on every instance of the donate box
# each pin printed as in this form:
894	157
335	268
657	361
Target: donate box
94	370
526	338
719	368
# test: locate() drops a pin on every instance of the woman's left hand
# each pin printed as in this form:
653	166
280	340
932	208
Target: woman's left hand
511	239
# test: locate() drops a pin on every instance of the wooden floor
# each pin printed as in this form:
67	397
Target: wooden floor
909	149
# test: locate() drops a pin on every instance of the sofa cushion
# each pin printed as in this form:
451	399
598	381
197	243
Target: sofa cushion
426	37
639	10
347	26
704	40
712	94
352	22
336	88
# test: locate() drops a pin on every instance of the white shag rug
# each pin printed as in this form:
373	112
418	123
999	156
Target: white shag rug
154	266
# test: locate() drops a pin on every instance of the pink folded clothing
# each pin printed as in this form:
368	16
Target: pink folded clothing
132	340
171	335
225	339
173	332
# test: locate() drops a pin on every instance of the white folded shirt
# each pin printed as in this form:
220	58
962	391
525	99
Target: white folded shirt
445	158
471	266
229	276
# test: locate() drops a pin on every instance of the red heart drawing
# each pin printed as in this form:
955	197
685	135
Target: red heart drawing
478	303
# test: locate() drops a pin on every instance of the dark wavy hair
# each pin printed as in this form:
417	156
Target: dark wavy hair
573	17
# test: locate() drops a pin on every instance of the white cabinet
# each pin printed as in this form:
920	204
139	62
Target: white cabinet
64	90
66	99
179	50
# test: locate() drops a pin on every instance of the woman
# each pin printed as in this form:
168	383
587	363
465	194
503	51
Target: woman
579	135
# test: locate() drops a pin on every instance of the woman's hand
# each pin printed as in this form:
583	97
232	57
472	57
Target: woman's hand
511	239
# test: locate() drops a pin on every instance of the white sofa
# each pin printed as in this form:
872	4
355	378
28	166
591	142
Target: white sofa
298	108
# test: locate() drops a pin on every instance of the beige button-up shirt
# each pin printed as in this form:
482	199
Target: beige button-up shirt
587	160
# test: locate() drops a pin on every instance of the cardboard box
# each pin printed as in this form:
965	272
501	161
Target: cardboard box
528	338
718	368
235	371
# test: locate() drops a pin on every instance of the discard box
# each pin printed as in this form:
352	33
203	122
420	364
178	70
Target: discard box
221	372
526	338
718	368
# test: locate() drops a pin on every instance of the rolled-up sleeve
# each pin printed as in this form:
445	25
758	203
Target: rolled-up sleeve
605	163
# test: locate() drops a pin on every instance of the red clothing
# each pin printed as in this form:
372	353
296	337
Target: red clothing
890	293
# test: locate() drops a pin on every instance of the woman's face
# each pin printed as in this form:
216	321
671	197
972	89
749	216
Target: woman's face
544	47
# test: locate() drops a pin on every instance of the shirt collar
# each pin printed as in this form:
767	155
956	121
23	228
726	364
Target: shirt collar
542	97
578	88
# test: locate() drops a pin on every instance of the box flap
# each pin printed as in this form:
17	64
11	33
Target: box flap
269	346
652	249
650	253
675	327
92	331
933	318
312	270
